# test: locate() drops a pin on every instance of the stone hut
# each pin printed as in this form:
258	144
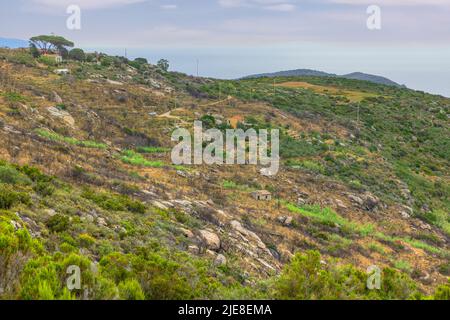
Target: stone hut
262	195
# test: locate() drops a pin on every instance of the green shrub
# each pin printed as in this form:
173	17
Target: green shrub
44	188
86	240
306	278
58	223
114	202
12	176
443	292
131	290
9	197
47	60
77	54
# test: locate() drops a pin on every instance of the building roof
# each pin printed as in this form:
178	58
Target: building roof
262	192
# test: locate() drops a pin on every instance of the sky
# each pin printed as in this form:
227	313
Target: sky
234	38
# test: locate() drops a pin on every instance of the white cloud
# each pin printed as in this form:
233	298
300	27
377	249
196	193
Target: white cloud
85	4
169	7
394	2
273	5
286	7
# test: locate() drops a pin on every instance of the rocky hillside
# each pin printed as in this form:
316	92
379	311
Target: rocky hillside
86	179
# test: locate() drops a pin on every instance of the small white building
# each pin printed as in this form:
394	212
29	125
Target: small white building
62	71
262	195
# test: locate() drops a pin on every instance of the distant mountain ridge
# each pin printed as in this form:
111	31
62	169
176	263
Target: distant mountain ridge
13	43
315	73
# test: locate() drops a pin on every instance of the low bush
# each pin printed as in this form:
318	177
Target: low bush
114	202
58	223
9	197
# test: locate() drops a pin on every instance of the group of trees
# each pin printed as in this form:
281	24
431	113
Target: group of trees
45	44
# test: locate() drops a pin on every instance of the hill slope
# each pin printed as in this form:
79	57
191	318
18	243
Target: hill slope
307	72
370	78
86	179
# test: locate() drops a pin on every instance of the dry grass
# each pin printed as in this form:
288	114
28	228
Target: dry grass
353	96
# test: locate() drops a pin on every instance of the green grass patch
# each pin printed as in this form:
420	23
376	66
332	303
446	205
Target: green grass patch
73	141
136	159
152	150
415	243
228	184
14	97
309	165
403	266
328	217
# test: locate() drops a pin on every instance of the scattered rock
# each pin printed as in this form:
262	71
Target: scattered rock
281	219
116	83
356	199
159	205
101	222
405	215
220	260
211	240
187	233
288	221
340	204
62	114
193	249
182	173
425	226
210	254
56	98
370	202
50	212
236	225
367	201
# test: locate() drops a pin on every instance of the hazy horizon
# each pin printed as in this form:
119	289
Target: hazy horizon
234	63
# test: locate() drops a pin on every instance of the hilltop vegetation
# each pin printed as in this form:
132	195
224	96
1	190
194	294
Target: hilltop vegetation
313	73
86	180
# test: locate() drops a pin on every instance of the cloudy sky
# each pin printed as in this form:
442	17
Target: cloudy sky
232	38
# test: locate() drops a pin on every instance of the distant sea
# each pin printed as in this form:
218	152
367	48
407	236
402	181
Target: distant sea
13	43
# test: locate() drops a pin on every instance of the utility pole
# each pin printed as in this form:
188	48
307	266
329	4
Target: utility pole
358	117
198	62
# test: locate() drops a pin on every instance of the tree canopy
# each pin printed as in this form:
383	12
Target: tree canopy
77	54
50	43
163	64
